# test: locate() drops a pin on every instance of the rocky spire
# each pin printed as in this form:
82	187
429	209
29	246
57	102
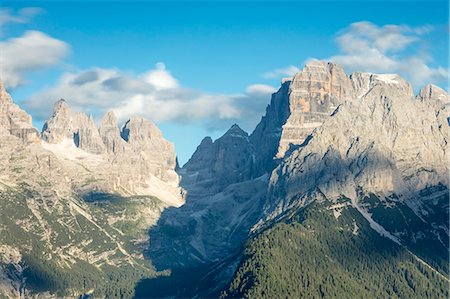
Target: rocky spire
434	96
15	120
4	95
216	165
110	134
59	126
79	128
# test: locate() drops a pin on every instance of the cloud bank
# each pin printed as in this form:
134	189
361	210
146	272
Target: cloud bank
154	94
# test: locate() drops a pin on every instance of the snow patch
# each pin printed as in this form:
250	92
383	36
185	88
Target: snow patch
67	150
387	78
375	226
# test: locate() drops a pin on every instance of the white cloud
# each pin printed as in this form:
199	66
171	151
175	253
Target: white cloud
287	71
24	15
159	98
260	89
160	78
32	51
367	47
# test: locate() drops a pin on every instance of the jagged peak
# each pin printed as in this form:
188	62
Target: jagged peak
139	128
428	91
236	131
4	95
109	120
206	141
61	107
316	63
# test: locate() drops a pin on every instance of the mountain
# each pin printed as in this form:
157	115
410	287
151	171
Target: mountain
233	171
16	121
221	204
363	117
300	105
340	191
76	205
365	197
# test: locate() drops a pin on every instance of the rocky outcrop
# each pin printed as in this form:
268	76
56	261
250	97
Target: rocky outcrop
297	108
433	95
110	134
314	93
267	134
134	161
216	165
78	156
383	142
78	128
15	120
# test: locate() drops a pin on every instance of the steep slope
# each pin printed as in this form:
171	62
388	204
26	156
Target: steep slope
300	105
215	165
313	254
402	199
222	203
371	181
16	121
134	161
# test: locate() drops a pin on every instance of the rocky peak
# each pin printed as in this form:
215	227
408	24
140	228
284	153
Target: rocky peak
299	106
206	142
216	165
109	120
61	108
139	130
4	95
396	145
433	95
79	128
86	134
110	134
15	120
236	131
59	126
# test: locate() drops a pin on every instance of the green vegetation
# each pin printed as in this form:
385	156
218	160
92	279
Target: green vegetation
72	247
426	236
315	255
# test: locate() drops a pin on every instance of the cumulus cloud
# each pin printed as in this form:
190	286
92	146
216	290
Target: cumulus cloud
154	94
387	49
32	51
287	71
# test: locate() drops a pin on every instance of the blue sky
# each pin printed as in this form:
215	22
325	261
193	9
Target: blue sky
199	67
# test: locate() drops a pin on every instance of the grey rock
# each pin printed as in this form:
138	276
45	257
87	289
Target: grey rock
15	120
216	165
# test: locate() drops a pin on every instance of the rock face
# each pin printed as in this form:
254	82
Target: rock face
216	165
15	120
110	134
433	95
222	203
300	105
134	161
79	127
384	142
145	140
